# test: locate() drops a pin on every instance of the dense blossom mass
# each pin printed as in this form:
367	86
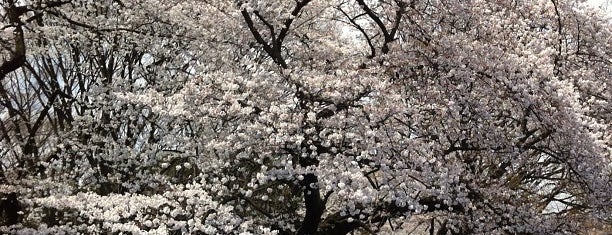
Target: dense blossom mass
305	117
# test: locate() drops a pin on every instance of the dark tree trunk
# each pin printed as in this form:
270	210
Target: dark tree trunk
314	205
9	209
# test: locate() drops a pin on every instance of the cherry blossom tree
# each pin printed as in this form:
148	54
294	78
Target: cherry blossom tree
306	117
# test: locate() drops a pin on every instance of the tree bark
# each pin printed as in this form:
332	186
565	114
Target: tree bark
18	57
314	205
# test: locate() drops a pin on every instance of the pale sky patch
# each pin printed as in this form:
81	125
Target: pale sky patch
605	4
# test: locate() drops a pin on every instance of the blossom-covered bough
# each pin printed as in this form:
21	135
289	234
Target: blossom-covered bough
306	117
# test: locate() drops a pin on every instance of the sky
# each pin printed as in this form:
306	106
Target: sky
598	3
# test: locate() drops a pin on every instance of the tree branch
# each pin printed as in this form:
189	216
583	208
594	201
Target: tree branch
273	49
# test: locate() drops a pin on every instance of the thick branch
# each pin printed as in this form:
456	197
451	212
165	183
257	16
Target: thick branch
363	32
389	36
296	11
270	27
269	49
374	17
273	49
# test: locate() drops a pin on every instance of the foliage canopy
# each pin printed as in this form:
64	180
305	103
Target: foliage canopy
305	116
